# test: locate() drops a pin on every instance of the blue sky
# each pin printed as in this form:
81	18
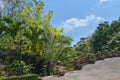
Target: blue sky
79	18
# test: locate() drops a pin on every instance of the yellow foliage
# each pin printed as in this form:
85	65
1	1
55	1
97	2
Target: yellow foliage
37	23
61	30
55	30
21	14
38	8
26	10
48	17
56	33
32	21
41	53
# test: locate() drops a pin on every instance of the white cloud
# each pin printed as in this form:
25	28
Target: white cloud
74	23
102	1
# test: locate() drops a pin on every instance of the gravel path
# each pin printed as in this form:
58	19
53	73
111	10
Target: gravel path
108	69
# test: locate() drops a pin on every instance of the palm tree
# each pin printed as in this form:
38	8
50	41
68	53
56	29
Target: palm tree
33	33
12	26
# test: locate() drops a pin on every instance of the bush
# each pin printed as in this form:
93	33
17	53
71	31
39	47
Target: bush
23	77
16	67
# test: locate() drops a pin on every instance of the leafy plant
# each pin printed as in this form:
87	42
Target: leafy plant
16	67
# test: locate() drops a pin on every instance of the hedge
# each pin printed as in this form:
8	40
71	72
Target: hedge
23	77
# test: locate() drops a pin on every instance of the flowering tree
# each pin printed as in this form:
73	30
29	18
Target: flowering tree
44	42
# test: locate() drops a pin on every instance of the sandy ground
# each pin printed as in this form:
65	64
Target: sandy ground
108	69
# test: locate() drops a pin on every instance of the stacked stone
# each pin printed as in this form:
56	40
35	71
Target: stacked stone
77	65
99	56
90	59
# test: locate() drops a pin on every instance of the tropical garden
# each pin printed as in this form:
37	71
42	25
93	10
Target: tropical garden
31	46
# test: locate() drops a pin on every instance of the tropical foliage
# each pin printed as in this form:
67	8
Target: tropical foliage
45	43
105	37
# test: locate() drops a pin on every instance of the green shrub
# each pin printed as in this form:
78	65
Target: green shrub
23	77
16	67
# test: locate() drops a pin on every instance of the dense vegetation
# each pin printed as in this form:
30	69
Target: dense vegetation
44	45
105	37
